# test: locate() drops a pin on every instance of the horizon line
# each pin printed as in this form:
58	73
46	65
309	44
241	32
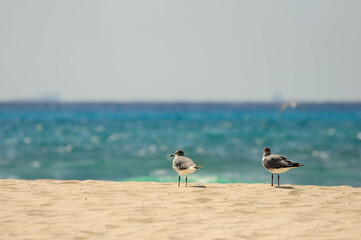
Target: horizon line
179	101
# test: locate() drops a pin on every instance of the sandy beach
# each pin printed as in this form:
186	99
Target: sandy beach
53	209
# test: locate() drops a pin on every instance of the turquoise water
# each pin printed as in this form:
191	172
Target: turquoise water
133	141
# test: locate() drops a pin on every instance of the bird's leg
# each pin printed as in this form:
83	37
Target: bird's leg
186	179
272	180
278	180
178	180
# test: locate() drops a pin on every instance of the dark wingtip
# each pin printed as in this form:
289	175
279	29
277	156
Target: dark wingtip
297	164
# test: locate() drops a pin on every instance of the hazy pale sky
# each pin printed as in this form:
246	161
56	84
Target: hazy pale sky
196	50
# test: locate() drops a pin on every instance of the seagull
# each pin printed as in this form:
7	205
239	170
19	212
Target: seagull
287	105
277	163
183	165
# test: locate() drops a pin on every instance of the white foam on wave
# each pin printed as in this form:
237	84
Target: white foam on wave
359	135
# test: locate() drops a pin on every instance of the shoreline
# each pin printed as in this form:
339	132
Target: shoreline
74	209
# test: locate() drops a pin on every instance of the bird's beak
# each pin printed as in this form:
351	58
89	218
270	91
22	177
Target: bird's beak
172	155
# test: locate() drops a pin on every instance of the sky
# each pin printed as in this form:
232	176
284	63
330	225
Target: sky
192	50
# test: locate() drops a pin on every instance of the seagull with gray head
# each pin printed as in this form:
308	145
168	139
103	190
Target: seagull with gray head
183	165
277	163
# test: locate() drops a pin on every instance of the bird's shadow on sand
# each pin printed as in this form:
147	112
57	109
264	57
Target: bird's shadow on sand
199	186
284	187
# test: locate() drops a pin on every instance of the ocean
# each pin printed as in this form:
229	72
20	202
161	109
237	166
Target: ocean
133	141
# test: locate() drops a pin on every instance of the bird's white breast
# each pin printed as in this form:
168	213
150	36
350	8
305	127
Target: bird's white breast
279	170
186	171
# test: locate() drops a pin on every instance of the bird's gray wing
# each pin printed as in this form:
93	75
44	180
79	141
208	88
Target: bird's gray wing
286	161
183	163
276	161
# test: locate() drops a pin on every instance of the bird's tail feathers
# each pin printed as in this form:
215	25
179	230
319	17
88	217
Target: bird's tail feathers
297	165
197	167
